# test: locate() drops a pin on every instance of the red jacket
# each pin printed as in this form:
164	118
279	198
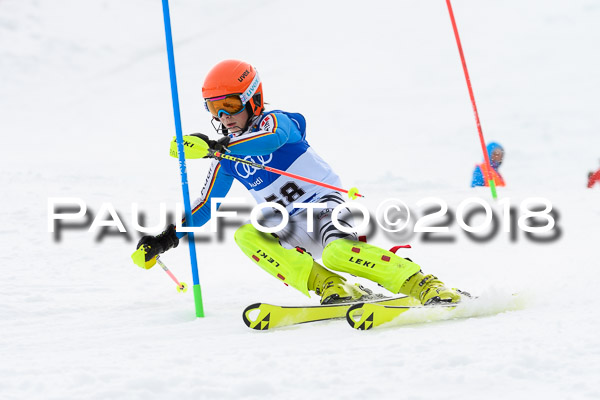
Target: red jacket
595	177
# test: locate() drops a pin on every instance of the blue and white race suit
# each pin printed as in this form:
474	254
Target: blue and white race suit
278	139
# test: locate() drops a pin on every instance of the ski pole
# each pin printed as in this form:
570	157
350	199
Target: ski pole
489	177
195	147
181	286
352	193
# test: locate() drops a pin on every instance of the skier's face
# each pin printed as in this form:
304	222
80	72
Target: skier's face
497	156
235	123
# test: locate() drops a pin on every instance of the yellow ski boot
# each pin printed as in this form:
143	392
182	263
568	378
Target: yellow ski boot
333	288
396	274
429	290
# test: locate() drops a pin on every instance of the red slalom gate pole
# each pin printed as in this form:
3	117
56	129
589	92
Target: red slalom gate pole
490	178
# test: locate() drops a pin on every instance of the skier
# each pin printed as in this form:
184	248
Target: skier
593	178
233	94
480	176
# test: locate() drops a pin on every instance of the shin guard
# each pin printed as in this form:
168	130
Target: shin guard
370	262
292	266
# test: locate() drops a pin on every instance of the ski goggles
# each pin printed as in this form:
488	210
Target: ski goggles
230	105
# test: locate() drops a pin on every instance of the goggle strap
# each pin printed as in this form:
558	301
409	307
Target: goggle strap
249	92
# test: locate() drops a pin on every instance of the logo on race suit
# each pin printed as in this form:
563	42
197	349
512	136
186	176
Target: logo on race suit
324	213
256	182
245	170
267	123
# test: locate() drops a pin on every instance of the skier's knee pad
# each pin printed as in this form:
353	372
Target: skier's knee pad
370	262
292	266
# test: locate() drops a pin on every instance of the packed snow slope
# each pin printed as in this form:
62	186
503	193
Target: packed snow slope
86	113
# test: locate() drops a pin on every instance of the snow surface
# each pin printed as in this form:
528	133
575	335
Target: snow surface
86	112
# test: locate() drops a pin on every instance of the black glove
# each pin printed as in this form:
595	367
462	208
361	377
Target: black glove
158	244
216	145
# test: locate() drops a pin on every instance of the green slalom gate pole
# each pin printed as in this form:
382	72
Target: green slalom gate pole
184	181
489	177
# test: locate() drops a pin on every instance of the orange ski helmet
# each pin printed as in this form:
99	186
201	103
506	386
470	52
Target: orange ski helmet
235	77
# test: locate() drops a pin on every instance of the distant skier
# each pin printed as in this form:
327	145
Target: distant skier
233	94
480	175
593	177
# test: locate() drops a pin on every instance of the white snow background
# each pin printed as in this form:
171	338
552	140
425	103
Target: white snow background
86	112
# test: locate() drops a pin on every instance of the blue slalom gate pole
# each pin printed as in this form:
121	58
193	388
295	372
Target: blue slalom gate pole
182	167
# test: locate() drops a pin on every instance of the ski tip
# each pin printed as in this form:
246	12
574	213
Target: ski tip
254	319
354	316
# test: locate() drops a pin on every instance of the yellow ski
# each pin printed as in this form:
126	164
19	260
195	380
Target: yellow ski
371	315
262	316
